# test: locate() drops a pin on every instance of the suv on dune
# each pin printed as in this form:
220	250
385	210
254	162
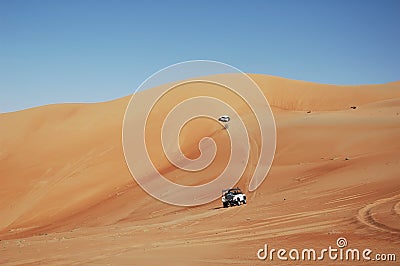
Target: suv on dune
232	197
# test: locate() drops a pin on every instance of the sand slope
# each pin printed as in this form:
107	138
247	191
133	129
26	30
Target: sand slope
66	194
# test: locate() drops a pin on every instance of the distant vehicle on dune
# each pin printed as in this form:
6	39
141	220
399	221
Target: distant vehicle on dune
224	118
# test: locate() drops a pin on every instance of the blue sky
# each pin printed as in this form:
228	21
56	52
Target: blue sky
89	51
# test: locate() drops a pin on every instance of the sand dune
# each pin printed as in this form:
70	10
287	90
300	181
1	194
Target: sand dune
67	195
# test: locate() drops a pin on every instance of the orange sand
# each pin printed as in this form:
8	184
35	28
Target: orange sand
67	196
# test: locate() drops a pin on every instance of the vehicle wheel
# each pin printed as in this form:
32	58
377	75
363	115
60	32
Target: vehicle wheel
244	201
226	205
238	202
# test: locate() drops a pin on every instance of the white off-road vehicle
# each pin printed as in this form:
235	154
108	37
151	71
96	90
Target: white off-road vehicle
232	197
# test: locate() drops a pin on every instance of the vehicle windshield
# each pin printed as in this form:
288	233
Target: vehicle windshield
233	191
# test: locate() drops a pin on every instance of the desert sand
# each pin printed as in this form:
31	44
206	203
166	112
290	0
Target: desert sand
67	196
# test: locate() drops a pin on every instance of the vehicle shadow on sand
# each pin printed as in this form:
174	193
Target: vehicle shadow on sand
217	208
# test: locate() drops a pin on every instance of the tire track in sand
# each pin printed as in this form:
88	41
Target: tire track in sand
383	214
